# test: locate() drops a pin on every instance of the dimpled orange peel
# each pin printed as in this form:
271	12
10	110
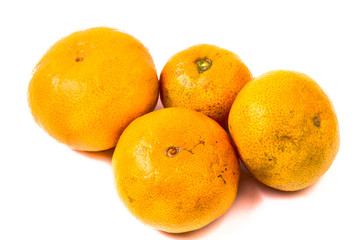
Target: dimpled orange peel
285	129
90	85
205	78
176	170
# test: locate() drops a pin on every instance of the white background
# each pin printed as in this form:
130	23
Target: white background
48	191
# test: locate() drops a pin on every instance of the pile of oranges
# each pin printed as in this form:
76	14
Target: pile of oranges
177	169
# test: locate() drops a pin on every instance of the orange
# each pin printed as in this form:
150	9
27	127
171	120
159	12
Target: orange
285	129
176	169
203	78
90	85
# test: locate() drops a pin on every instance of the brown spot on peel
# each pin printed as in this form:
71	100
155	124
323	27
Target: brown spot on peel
316	121
220	176
79	59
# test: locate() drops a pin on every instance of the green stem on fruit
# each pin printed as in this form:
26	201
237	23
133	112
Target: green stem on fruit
203	64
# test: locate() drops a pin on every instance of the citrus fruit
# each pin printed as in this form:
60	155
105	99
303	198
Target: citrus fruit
90	85
285	129
203	78
176	169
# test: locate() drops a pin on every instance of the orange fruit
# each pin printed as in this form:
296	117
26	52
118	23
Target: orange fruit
176	169
90	85
204	78
285	129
